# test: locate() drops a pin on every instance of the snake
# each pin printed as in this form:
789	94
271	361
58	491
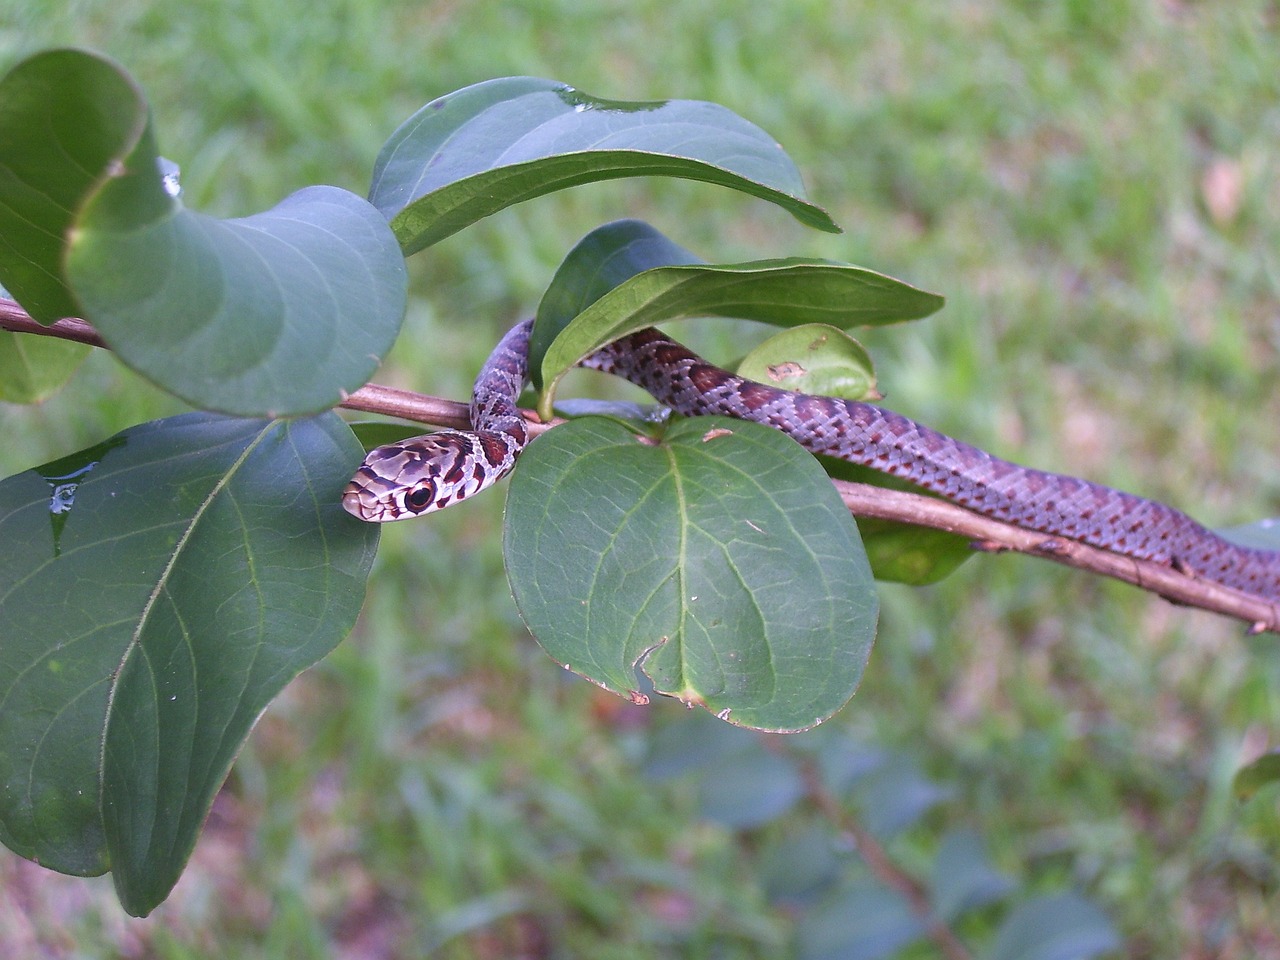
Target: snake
423	474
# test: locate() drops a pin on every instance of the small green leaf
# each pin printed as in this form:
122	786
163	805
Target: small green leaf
861	921
784	292
31	368
156	593
799	862
963	877
477	150
748	789
1062	927
719	562
280	313
895	795
65	118
1252	777
1262	535
902	552
813	358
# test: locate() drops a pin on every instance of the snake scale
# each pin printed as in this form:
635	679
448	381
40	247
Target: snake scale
427	473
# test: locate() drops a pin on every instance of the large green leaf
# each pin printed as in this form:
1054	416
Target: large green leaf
65	118
156	592
636	278
279	313
719	563
485	147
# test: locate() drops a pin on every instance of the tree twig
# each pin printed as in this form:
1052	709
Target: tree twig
863	500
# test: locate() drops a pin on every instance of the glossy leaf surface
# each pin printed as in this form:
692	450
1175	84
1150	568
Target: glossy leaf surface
719	563
159	590
477	150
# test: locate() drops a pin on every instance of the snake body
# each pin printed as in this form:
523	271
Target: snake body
423	474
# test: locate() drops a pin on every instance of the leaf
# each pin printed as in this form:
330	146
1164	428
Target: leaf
485	147
814	358
799	862
65	117
281	313
1252	777
785	292
720	563
902	552
31	368
1262	535
606	257
749	789
862	921
895	795
963	877
1061	927
156	592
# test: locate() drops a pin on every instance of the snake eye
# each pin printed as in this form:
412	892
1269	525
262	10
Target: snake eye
419	498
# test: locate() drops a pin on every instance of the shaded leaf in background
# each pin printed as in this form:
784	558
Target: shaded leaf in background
749	788
31	368
1061	927
172	580
472	152
963	877
1252	777
862	920
719	562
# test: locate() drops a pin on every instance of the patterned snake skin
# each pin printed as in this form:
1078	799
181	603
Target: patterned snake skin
427	473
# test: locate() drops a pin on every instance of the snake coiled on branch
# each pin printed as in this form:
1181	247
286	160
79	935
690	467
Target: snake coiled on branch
427	473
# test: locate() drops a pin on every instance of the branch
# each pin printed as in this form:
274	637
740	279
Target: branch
863	500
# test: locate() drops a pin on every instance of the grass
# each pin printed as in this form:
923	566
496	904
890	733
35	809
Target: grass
1092	185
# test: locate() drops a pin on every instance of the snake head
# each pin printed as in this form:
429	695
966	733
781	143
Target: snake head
420	475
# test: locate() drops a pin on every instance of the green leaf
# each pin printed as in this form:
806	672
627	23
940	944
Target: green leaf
813	358
784	292
799	862
1252	777
719	562
606	257
862	921
1262	535
65	118
485	147
156	592
749	789
281	313
1062	927
31	368
896	795
963	877
902	552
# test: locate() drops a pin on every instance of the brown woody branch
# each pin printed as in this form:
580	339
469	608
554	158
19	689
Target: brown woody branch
863	500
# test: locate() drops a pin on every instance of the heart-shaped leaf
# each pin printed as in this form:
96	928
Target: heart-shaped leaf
477	150
156	592
719	562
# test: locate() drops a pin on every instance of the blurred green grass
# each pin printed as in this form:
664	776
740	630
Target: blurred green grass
1093	185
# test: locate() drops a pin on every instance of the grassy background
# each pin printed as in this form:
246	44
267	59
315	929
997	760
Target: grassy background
1093	185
